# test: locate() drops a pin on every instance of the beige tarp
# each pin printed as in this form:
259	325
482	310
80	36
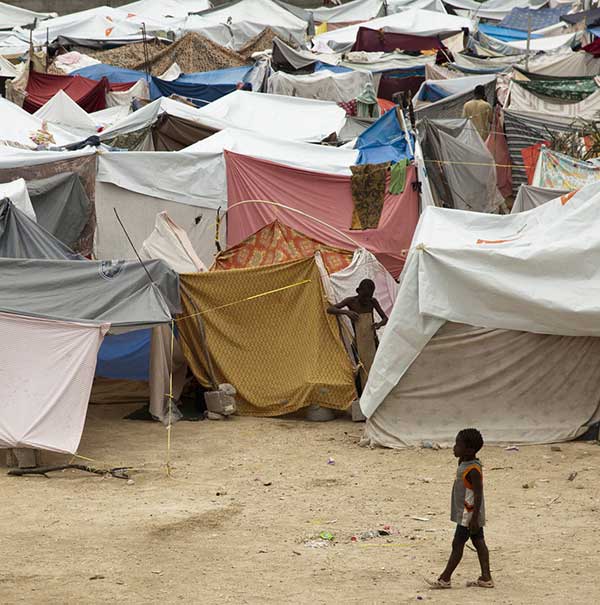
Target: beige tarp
515	387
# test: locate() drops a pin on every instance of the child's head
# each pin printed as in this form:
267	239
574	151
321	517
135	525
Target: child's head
366	288
468	443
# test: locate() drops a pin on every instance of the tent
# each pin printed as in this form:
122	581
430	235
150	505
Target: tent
414	22
355	11
493	10
525	19
287	118
324	85
460	168
234	23
286	336
17	192
369	40
556	170
537	344
530	197
61	110
318	205
189	186
15	16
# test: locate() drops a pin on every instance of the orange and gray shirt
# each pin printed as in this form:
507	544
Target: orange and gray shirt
463	497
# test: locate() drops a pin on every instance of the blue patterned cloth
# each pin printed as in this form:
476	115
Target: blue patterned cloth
518	18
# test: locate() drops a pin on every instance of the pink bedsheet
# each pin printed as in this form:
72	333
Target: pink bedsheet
325	197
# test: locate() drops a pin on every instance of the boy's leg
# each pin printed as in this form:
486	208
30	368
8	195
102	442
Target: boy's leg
458	546
483	554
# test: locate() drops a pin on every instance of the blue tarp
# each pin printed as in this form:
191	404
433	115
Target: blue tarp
518	18
125	356
201	88
432	93
504	34
337	69
383	141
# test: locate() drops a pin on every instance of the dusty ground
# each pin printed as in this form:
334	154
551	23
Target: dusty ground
77	538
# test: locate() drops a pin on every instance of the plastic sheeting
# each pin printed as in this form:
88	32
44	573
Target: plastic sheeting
494	10
527	18
16	192
287	337
511	385
286	118
64	112
323	85
384	141
530	197
350	12
47	412
369	40
318	205
15	16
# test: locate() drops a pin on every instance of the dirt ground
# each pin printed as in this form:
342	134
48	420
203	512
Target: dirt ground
239	521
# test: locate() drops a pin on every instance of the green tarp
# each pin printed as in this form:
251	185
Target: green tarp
571	90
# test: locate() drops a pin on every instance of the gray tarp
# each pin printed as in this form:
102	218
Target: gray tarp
530	197
61	205
516	387
118	292
21	237
465	177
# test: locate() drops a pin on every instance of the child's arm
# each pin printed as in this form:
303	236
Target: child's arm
381	313
338	309
476	480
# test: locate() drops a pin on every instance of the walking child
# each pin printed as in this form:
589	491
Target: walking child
467	511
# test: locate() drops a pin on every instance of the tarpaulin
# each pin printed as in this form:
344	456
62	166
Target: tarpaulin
354	11
504	33
590	17
125	356
114	74
16	192
281	351
530	197
494	10
88	94
370	40
171	133
530	159
384	141
47	411
527	18
321	207
593	48
559	171
572	89
277	243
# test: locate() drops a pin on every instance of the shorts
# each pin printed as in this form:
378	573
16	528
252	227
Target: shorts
462	534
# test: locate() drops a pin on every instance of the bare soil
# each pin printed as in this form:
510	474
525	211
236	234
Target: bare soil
240	518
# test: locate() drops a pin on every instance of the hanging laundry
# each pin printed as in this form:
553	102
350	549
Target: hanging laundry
398	176
368	193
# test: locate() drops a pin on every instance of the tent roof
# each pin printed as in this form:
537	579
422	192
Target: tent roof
15	16
350	12
63	111
16	192
494	10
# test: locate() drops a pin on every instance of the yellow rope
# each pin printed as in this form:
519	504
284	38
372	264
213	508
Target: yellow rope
170	415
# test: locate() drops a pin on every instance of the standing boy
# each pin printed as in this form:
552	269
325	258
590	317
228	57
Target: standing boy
479	111
467	510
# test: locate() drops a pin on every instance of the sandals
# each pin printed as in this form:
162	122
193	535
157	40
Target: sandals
481	584
438	584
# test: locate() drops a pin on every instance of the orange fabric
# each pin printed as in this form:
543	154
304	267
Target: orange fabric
530	158
276	243
565	198
385	105
473	467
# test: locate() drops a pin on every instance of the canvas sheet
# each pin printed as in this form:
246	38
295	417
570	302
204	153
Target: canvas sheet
547	44
368	40
276	243
7	69
317	158
530	197
398	6
323	85
318	205
16	192
171	133
495	272
15	16
511	385
488	65
138	212
287	336
58	199
49	412
170	243
521	100
465	177
117	292
18	126
494	10
558	171
380	62
22	237
351	12
527	18
416	22
564	64
235	23
291	119
64	112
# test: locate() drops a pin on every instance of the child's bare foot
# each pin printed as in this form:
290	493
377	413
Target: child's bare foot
481	583
438	584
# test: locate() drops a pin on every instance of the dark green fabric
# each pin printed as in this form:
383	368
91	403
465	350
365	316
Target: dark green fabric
398	177
569	90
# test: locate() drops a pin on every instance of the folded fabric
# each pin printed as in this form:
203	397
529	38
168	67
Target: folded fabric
398	177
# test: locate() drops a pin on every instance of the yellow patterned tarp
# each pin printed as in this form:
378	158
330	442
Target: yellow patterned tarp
281	351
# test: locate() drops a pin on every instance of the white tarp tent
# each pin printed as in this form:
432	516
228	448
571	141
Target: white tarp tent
414	22
287	118
63	112
15	16
235	23
397	6
7	69
189	186
49	411
494	10
317	158
16	192
350	12
532	272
